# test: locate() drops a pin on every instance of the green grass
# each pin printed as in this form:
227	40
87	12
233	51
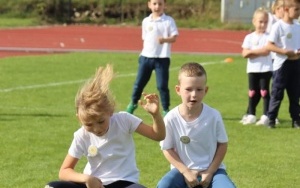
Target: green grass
37	119
18	22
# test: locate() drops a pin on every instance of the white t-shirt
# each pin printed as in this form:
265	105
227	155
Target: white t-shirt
285	36
153	29
115	158
259	64
204	134
271	20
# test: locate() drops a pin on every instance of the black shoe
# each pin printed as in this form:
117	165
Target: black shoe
296	124
271	124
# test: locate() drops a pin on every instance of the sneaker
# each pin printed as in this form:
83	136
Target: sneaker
271	124
264	120
250	119
296	124
165	112
277	121
243	118
131	107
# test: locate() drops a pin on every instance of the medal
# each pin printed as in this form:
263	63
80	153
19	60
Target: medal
185	139
289	35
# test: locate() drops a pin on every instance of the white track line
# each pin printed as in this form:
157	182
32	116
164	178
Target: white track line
79	81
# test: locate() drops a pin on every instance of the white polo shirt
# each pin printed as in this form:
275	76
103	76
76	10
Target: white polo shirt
153	29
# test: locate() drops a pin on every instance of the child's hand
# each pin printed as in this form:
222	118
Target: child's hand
150	103
93	182
190	177
206	178
293	54
161	40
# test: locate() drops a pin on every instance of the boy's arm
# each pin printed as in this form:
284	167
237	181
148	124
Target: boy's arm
218	158
170	39
272	47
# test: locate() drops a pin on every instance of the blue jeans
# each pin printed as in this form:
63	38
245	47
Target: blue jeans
146	66
174	179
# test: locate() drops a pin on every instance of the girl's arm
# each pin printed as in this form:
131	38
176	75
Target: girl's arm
67	173
247	53
157	131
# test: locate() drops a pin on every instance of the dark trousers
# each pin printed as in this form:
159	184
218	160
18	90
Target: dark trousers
146	66
286	78
117	184
259	87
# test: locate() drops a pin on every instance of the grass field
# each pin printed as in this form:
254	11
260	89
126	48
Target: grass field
37	119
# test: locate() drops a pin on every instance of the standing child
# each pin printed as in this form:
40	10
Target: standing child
158	32
259	67
196	139
105	138
275	14
284	40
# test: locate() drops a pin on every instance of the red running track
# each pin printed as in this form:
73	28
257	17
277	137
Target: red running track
40	40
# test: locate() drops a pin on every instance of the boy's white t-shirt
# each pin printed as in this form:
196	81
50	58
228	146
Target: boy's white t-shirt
115	158
285	36
204	133
153	29
261	63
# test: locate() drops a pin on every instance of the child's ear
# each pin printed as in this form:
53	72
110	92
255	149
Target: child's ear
177	89
206	89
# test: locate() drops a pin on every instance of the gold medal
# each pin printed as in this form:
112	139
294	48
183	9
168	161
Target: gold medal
150	28
92	151
185	139
289	35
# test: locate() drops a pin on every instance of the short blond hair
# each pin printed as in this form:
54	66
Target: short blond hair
191	69
94	99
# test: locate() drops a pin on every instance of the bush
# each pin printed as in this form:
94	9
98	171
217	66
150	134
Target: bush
187	13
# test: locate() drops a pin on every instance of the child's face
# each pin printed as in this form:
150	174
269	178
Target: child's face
279	12
293	12
192	90
156	6
260	22
98	127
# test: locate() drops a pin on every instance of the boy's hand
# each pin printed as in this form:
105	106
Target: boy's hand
150	103
206	178
161	40
190	177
